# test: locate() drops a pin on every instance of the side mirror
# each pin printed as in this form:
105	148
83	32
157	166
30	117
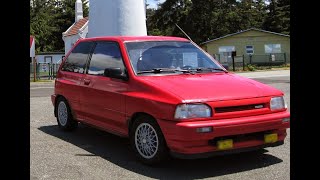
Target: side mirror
116	73
226	66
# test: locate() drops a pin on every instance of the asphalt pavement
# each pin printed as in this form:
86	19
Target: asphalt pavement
88	153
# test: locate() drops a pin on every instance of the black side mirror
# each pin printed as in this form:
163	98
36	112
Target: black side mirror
226	66
116	73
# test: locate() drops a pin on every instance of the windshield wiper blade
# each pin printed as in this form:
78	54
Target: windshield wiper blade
156	71
191	71
210	69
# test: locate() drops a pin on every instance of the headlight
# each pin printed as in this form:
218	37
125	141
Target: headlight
277	103
186	111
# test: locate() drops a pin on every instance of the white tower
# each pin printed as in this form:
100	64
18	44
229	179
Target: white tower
79	12
117	18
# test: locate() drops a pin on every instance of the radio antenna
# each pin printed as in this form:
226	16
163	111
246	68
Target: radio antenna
184	32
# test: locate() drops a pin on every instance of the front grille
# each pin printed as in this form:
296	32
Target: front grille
239	108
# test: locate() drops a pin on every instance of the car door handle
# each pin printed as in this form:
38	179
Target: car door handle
87	81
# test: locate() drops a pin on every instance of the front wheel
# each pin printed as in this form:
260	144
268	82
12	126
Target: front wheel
147	141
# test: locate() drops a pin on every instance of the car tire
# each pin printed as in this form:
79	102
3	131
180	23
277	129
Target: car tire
64	116
147	141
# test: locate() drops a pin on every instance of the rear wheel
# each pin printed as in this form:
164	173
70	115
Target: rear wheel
148	141
64	116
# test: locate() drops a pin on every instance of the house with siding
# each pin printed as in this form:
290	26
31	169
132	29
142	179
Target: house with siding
253	45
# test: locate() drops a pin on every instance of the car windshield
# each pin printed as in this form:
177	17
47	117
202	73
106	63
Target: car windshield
151	57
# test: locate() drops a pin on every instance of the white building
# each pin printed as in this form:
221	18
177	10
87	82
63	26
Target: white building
79	29
107	18
50	57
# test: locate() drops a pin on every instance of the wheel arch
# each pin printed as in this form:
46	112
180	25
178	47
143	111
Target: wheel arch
135	116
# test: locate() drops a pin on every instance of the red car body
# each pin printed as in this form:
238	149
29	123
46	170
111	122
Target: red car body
240	106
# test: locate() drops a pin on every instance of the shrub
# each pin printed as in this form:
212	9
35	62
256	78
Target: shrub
251	67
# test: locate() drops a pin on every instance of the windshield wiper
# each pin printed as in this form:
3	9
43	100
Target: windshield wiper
210	69
170	70
156	71
191	71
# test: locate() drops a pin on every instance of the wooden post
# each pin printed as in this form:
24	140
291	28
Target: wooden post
243	62
233	54
34	69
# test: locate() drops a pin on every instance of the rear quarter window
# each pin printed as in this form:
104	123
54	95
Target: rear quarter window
77	59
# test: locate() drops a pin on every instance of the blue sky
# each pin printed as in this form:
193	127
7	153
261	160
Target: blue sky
153	4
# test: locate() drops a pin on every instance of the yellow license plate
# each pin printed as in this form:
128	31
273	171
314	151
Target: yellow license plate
225	144
270	138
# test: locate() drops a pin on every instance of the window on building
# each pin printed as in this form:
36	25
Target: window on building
226	53
77	59
249	49
272	48
105	55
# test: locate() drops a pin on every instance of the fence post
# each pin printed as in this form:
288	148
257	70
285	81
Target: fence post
37	69
243	62
34	69
270	61
285	58
53	70
250	58
50	70
234	69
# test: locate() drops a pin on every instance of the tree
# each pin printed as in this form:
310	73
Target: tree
208	19
48	19
278	16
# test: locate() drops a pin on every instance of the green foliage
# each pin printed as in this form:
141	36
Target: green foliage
251	67
278	17
203	20
48	19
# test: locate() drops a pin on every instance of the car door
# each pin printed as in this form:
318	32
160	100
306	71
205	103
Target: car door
68	82
103	100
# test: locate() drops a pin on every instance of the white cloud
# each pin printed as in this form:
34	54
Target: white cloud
153	4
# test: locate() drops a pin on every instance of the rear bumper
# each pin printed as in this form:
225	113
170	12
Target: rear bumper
183	138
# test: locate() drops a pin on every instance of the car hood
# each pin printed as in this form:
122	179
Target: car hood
211	87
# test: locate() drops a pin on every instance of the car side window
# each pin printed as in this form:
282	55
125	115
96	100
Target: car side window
77	59
105	55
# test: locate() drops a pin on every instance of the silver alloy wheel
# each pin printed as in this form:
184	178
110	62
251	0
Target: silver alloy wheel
146	140
62	113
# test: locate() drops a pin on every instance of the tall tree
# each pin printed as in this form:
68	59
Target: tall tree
278	16
283	13
207	19
41	24
48	19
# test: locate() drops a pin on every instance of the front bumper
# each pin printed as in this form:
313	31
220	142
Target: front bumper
218	153
183	138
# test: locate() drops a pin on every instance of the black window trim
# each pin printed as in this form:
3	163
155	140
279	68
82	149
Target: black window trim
92	50
88	56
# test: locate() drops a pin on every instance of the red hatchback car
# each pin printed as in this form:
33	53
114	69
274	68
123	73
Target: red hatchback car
168	96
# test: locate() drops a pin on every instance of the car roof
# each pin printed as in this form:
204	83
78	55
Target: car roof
136	38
